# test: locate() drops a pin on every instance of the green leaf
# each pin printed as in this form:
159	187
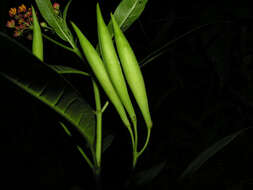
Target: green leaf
127	12
65	12
160	51
40	81
37	45
56	22
208	153
146	176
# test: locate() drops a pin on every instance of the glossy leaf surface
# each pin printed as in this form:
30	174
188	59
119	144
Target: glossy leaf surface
42	82
58	24
127	12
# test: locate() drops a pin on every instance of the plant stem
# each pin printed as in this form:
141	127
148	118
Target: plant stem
146	143
135	148
99	124
97	178
96	168
133	145
58	43
85	157
99	112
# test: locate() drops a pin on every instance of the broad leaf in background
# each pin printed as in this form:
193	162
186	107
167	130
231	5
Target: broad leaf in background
56	22
208	153
46	85
146	176
127	12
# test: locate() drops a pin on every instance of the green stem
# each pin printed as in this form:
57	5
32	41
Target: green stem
135	148
58	43
146	143
99	124
97	178
96	169
86	158
99	112
105	106
78	53
133	145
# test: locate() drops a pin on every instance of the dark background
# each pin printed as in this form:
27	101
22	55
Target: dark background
200	90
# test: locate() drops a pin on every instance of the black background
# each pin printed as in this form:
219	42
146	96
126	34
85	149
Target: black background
200	90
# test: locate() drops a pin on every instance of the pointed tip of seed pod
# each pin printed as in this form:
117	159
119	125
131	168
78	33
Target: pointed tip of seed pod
114	24
99	16
98	7
112	17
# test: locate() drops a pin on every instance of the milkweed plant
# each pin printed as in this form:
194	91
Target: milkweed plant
114	69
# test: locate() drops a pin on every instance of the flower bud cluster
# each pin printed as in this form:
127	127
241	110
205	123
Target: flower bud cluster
21	20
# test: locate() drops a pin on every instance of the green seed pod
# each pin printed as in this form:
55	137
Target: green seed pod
112	64
37	44
132	72
100	72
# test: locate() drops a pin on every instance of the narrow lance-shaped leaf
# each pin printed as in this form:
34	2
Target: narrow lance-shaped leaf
208	153
127	12
56	22
37	45
146	176
43	83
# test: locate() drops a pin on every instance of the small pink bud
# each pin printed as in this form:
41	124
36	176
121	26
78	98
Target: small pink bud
56	6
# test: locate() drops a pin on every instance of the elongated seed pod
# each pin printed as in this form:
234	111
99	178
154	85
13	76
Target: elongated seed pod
100	72
37	44
132	72
112	64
